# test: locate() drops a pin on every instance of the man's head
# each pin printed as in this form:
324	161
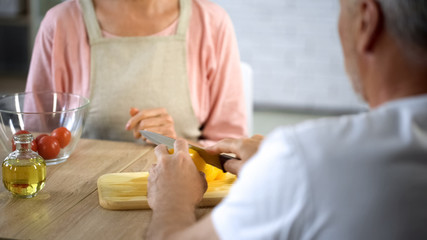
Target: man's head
377	35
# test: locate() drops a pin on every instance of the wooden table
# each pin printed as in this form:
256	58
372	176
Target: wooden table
68	208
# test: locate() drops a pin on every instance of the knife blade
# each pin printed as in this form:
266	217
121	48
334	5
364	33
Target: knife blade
216	160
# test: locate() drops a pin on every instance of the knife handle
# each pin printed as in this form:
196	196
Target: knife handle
224	158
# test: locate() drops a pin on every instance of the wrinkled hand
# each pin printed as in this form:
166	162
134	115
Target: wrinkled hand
175	182
244	149
155	120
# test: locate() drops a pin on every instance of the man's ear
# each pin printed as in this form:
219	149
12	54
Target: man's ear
371	22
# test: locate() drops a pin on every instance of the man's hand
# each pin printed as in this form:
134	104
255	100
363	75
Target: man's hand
155	120
174	182
244	149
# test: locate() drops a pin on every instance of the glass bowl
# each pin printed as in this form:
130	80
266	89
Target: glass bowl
42	113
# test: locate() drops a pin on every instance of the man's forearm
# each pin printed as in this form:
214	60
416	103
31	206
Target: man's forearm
165	223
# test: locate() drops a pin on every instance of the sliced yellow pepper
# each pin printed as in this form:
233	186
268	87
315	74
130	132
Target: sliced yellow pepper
212	173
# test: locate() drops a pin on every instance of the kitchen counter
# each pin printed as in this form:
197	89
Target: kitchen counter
68	208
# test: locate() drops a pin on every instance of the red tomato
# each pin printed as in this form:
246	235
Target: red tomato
63	135
34	146
33	143
40	137
48	147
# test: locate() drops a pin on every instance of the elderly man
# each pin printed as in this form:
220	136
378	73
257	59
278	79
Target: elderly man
355	177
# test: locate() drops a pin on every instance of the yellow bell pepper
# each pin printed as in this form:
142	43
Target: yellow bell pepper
212	173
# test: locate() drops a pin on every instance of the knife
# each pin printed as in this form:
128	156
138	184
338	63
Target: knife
216	160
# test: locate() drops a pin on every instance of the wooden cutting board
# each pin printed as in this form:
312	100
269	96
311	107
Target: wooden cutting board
126	191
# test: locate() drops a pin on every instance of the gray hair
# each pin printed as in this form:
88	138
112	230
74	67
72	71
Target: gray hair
407	22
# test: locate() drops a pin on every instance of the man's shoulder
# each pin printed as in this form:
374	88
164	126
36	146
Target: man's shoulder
328	127
328	140
362	139
389	121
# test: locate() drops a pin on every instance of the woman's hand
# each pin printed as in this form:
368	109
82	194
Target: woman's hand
244	149
174	182
154	120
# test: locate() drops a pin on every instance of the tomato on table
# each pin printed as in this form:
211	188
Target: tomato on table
63	135
48	147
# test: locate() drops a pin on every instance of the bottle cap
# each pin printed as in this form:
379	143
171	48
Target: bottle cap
23	138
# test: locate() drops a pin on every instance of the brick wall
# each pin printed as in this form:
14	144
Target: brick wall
294	50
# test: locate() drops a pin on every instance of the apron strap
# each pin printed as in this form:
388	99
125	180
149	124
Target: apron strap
184	17
92	26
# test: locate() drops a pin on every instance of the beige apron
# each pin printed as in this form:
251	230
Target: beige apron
142	72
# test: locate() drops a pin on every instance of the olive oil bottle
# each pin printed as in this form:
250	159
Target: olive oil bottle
24	171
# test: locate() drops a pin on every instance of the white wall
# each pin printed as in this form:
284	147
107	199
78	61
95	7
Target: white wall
294	50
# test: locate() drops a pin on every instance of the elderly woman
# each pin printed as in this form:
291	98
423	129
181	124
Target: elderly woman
168	66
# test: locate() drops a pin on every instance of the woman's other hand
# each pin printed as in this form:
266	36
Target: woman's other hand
154	120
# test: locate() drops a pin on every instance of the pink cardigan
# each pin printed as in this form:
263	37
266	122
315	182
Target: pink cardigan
61	62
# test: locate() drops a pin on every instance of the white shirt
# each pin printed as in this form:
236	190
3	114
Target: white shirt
355	177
